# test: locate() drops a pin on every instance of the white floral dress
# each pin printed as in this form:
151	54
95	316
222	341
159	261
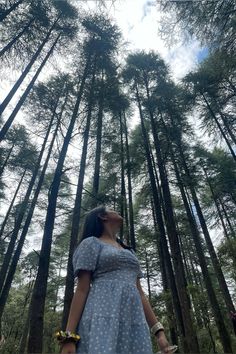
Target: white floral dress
113	319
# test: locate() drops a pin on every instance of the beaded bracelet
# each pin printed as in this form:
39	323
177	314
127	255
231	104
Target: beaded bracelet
67	336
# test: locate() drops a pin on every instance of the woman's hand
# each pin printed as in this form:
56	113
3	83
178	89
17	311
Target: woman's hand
68	348
163	343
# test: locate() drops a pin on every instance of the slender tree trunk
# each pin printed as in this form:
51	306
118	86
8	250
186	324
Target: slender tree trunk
224	120
148	276
188	275
69	290
11	205
23	208
6	160
26	92
26	71
191	337
99	141
219	126
124	212
215	261
75	227
5	13
58	286
227	218
216	202
15	259
35	342
23	340
160	223
131	213
224	335
15	39
210	289
166	284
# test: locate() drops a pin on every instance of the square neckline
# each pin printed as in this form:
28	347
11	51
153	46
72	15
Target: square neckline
109	244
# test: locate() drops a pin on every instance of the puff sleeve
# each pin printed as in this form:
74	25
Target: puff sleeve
140	272
85	255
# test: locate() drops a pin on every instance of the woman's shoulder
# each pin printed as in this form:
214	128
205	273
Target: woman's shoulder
87	244
88	240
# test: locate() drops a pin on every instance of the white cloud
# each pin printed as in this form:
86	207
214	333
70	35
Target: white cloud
139	21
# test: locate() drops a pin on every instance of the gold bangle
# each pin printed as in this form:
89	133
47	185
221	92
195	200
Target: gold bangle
156	328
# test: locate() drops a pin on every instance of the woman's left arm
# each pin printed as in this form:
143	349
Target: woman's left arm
152	319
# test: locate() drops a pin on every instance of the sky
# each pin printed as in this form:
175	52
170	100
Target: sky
139	21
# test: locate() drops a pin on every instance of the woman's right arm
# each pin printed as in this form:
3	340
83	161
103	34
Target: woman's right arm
79	300
77	305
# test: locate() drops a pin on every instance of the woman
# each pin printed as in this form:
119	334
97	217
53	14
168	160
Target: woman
109	310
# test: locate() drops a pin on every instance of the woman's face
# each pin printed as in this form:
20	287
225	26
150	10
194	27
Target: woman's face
113	216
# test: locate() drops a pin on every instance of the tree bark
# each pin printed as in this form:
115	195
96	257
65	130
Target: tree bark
158	214
69	290
35	342
210	289
123	210
166	284
4	14
219	126
190	334
11	205
15	258
224	335
11	245
99	142
131	213
21	101
6	160
15	39
26	71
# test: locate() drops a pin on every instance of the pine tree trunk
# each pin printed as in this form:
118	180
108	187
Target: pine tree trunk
166	284
26	71
164	245
15	39
123	211
21	101
215	261
99	142
20	216
224	335
227	218
148	275
35	342
15	258
131	213
216	203
191	337
219	126
4	14
224	120
23	340
69	289
225	338
6	160
11	205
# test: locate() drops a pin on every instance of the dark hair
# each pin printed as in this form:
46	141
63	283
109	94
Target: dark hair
93	225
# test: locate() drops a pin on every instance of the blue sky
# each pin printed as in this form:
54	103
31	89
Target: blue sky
202	54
